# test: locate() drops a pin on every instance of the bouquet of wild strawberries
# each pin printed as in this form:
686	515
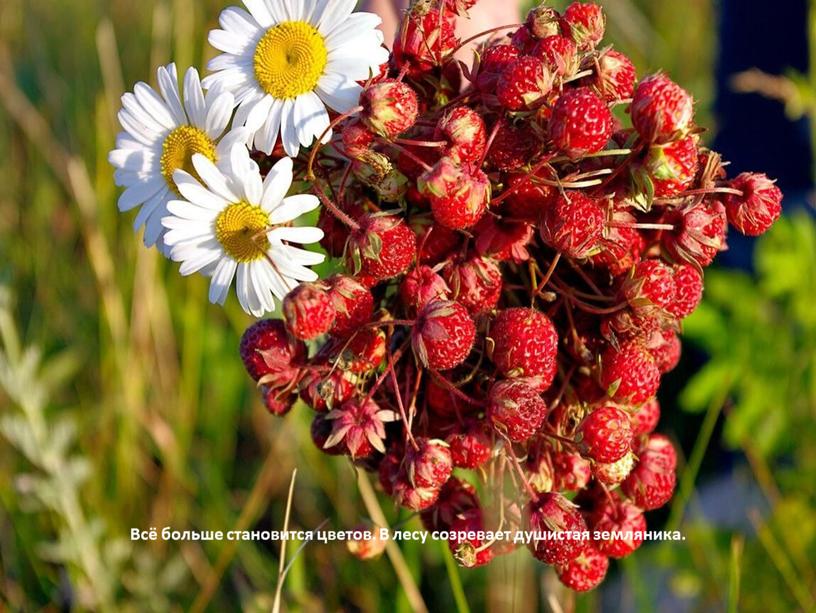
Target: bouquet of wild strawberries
521	240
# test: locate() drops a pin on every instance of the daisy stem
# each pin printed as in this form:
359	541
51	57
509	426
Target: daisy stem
334	209
319	142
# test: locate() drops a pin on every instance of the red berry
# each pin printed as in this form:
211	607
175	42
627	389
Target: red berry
585	23
605	434
353	304
503	239
525	344
382	247
645	417
324	392
629	373
574	224
665	347
571	472
673	167
523	84
430	464
308	311
363	352
651	483
623	521
689	284
456	498
550	515
581	123
493	62
584	572
529	196
443	335
464	543
616	76
434	242
268	352
759	206
321	430
613	473
699	232
458	194
661	109
357	138
360	426
512	147
475	283
471	447
650	286
516	408
390	107
559	54
427	36
621	246
421	285
465	130
277	402
414	498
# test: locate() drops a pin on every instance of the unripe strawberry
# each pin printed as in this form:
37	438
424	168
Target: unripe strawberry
621	519
525	344
456	498
689	284
616	76
585	572
629	373
277	402
571	471
604	435
699	232
471	447
524	84
360	425
467	549
269	353
503	239
443	335
581	123
427	36
645	417
465	130
429	465
421	285
357	139
651	483
382	247
366	548
585	23
390	107
661	109
759	206
673	167
458	194
475	283
665	347
308	311
543	21
650	286
493	62
615	472
516	408
573	225
549	515
324	392
529	196
512	147
353	304
559	54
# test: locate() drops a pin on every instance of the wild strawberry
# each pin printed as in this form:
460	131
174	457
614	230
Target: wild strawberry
456	498
512	147
558	53
363	352
538	467
604	434
465	130
585	23
388	472
613	473
523	84
661	110
427	36
503	239
429	464
615	77
321	430
516	408
444	403
324	392
357	138
572	472
543	21
629	373
458	194
623	521
665	347
550	515
471	447
382	247
699	232
651	483
529	196
573	225
366	548
421	285
269	353
672	168
390	107
584	572
759	206
308	311
353	304
434	241
475	283
524	344
360	425
650	286
621	247
689	284
493	62
468	550
581	123
277	402
443	335
645	417
630	325
413	498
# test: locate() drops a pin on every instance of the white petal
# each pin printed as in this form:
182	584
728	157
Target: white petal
304	236
293	207
193	191
213	178
260	12
277	184
338	92
267	136
238	21
289	135
351	28
229	42
153	104
194	98
258	114
335	13
311	118
248	301
303	256
139	193
288	268
218	115
202	259
141	115
221	280
168	85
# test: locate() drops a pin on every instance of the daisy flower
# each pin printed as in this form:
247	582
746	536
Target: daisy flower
233	223
286	61
161	134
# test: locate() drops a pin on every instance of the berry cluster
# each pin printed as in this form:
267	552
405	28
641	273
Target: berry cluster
521	240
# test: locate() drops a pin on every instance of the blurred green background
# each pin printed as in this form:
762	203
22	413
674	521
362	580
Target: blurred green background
123	402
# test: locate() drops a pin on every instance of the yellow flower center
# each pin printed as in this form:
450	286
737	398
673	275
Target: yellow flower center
240	230
289	59
178	149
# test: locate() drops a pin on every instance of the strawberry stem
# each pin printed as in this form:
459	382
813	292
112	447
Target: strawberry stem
319	143
334	209
408	153
469	40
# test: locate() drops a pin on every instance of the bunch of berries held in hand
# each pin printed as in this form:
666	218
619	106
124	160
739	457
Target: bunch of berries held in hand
521	240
